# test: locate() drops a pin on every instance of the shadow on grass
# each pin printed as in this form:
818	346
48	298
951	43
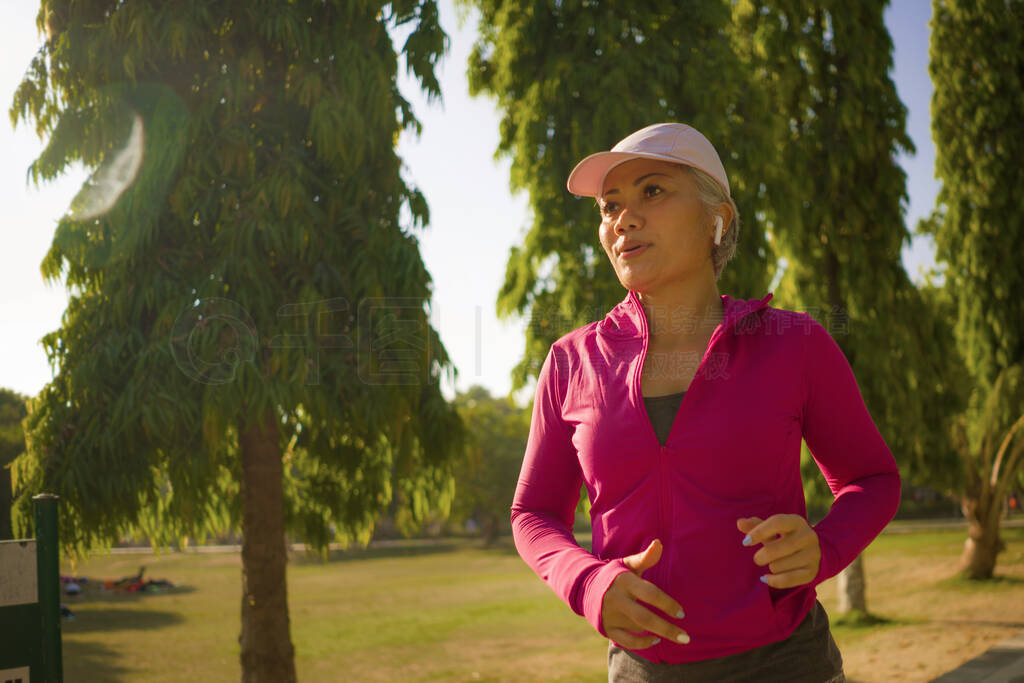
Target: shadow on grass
857	622
980	622
91	661
381	550
506	546
852	627
99	594
413	548
856	619
959	582
106	619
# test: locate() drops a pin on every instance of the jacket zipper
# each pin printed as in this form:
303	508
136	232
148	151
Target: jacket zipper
664	567
663	532
715	336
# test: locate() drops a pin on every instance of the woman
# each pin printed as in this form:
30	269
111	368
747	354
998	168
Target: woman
682	412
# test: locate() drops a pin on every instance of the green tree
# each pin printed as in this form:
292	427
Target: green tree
977	65
573	77
247	339
835	214
486	482
12	444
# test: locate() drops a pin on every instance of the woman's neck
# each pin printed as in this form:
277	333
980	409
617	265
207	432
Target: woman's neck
682	315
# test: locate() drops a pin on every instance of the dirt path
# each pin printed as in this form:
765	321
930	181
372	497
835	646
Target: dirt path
938	622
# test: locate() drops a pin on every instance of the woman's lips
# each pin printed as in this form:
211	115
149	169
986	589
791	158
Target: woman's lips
634	252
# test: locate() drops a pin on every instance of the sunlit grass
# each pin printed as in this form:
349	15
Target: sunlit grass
461	612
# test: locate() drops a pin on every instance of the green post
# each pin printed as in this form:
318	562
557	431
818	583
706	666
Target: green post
48	570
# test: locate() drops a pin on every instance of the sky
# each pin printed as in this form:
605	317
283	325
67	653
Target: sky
475	219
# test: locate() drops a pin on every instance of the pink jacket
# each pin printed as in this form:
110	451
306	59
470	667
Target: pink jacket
767	378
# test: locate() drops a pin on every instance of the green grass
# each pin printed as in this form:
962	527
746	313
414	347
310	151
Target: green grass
456	612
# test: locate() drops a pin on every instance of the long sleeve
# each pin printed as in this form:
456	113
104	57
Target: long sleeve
848	448
545	501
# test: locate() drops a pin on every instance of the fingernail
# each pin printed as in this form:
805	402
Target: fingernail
679	614
764	578
683	638
747	540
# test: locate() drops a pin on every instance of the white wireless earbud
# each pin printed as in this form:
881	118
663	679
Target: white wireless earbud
718	229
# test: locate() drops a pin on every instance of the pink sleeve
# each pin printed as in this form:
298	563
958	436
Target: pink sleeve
849	450
545	502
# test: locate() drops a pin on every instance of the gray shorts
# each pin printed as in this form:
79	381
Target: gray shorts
808	655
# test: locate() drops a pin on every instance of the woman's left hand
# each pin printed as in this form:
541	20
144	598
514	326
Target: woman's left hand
790	550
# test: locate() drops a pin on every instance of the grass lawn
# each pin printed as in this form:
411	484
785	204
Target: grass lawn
457	612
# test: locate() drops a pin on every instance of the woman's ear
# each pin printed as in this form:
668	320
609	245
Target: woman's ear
725	211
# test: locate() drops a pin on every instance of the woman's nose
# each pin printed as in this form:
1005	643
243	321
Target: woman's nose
628	218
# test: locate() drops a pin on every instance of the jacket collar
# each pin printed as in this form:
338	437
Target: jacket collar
627	319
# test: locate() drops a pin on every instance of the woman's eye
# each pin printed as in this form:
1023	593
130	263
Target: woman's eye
609	208
652	190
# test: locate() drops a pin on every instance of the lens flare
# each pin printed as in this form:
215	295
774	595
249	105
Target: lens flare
115	175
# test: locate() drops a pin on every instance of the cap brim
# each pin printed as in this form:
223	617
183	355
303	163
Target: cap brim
587	179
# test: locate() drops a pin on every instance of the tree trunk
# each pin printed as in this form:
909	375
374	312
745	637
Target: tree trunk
983	544
852	595
267	651
490	528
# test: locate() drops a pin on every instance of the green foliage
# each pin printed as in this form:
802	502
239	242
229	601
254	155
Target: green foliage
12	445
990	438
255	261
12	437
573	77
835	213
486	481
976	63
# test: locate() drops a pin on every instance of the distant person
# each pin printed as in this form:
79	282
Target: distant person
682	412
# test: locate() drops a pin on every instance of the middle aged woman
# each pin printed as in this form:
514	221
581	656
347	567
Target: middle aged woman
682	412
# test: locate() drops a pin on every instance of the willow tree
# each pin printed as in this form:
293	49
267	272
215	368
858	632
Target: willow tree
247	339
836	215
977	66
572	78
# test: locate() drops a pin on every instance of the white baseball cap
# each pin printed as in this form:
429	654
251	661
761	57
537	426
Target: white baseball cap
674	142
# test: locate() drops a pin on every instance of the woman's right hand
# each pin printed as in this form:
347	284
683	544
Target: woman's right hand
622	615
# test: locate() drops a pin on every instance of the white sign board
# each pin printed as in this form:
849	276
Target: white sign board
19	675
18	582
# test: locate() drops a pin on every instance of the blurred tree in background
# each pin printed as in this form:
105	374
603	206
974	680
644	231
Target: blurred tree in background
485	484
247	338
12	445
835	212
572	78
977	66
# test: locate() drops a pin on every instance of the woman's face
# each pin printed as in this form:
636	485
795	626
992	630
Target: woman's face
653	204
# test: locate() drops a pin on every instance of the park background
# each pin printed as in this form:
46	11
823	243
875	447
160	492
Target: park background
475	218
474	222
